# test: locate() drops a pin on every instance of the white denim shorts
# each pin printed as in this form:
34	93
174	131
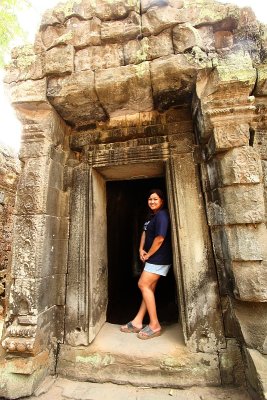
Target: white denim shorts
157	269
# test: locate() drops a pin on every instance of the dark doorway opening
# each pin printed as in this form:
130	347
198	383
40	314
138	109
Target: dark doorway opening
126	212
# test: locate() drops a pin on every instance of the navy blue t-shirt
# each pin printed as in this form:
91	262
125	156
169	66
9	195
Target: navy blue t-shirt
159	225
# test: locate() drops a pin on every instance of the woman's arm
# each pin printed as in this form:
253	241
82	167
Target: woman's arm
142	252
157	242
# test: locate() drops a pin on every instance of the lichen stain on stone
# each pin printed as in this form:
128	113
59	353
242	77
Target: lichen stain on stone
141	69
67	7
96	360
142	54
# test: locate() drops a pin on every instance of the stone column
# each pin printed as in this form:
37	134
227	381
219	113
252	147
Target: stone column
9	175
35	313
235	199
199	300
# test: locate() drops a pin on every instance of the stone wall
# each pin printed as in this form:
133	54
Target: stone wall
9	174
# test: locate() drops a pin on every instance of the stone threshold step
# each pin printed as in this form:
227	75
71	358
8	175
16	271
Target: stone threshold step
122	358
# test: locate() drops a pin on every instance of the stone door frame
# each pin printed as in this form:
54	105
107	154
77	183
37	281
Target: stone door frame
196	278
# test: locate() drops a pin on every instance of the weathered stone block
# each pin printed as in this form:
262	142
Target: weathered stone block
54	57
25	66
250	281
124	30
82	103
49	37
207	36
242	204
239	165
231	364
51	258
173	79
223	39
146	4
28	91
130	87
31	200
264	168
34	148
56	173
56	293
228	136
99	57
106	11
20	385
40	246
256	372
261	86
39	187
54	259
234	71
162	16
26	233
157	19
63	11
149	48
260	142
57	203
23	296
83	33
185	37
41	123
35	172
117	9
252	319
242	242
27	366
75	32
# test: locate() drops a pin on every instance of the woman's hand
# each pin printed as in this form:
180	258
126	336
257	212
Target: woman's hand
143	255
146	257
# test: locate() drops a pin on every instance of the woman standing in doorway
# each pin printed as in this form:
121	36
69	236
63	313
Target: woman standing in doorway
155	252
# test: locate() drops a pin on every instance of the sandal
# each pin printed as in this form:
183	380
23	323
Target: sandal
129	328
148	333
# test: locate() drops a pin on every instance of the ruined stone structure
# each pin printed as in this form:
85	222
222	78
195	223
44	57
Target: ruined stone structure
133	91
9	172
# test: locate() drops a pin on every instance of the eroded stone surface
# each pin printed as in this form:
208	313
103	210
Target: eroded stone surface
82	103
250	281
238	166
130	86
99	57
9	173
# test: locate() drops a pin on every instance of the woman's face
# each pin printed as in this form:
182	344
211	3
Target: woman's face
154	202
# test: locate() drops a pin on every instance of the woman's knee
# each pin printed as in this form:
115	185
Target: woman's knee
141	284
145	284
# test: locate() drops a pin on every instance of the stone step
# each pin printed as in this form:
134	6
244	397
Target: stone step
122	358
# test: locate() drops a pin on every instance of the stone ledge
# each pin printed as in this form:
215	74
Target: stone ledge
123	358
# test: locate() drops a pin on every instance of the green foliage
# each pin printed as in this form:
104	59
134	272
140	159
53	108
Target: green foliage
9	24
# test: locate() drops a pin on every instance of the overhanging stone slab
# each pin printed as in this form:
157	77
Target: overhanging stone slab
130	87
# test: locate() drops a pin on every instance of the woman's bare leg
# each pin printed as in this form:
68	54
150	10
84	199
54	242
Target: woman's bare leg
138	319
147	284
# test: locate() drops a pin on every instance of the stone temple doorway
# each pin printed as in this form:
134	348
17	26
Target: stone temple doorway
126	212
90	288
